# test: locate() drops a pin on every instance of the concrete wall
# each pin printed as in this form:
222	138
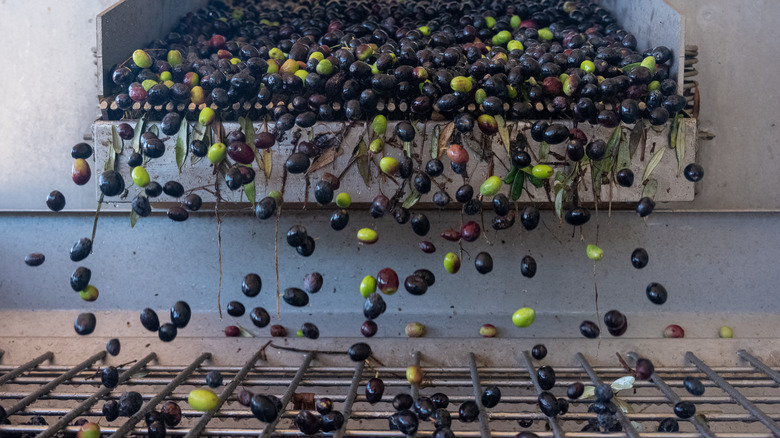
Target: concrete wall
713	263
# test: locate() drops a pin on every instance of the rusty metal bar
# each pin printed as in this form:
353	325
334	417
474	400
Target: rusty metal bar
26	367
484	427
552	421
351	395
269	428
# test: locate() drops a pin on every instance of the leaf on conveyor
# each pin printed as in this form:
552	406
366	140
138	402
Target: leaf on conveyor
245	333
623	160
517	186
558	204
622	383
637	133
680	147
503	132
248	129
510	177
181	144
443	139
268	163
596	174
154	130
673	131
653	163
361	158
328	157
590	391
133	218
650	188
111	162
608	161
250	192
412	199
198	132
136	142
544	151
537	182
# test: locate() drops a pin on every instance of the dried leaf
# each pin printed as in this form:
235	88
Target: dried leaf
511	175
623	160
517	186
140	375
250	192
637	426
181	144
116	142
444	139
198	132
503	132
268	163
412	199
636	136
544	151
194	160
622	405
245	333
650	188
110	163
651	165
328	157
362	162
622	383
136	143
590	391
558	204
154	130
680	147
133	218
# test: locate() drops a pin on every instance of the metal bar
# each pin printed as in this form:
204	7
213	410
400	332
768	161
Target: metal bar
759	365
351	395
200	426
628	428
141	414
696	420
552	421
269	428
51	385
414	389
26	367
730	390
484	427
102	392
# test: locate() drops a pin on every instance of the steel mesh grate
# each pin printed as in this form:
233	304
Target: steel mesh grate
738	402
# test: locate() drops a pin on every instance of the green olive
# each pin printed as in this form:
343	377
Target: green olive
276	53
480	96
491	186
140	176
502	38
588	66
317	55
202	400
174	58
461	84
452	263
414	375
515	22
217	153
301	74
425	30
376	146
725	332
648	62
379	125
142	59
524	317
514	45
594	252
89	294
166	76
206	116
148	84
367	235
343	200
542	171
389	165
545	34
490	21
367	286
273	66
324	68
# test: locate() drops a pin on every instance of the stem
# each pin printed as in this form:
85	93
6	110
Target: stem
276	260
596	288
97	214
219	249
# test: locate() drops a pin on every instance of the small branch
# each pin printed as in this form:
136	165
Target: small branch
97	214
219	248
303	350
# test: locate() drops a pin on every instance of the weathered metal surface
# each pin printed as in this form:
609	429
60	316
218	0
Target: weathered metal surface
201	178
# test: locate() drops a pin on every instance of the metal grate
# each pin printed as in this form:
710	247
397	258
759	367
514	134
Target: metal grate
739	402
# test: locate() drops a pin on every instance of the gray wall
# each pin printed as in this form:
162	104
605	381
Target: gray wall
713	263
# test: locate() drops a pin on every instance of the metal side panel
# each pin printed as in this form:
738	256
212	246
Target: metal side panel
201	179
131	25
653	23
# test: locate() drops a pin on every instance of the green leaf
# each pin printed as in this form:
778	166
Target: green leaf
503	132
623	160
511	175
537	182
268	162
590	391
613	141
627	69
596	174
559	192
154	130
517	186
181	144
560	176
527	170
111	162
249	191
362	162
544	151
408	148
636	136
133	218
622	383
412	199
198	132
680	147
653	163
136	143
650	188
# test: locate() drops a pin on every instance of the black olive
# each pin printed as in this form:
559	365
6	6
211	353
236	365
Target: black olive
295	297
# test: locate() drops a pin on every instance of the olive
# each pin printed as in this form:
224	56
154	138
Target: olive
109	377
420	224
639	258
323	192
374	306
55	201
405	167
528	266
359	352
548	404
645	207
483	262
684	409
574	150
441	417
110	410
368	328
129	403
173	189
111	183
521	159
260	317
135	160
530	217
668	425
658	116
180	314
295	297
153	148
424	408
339	220
491	396
644	369
310	330
407	422
555	134
82	150
577	216
468	411
296	235
264	408
464	122
501	205
603	392
464	193
240	152
167	332
693	173
278	331
537	130
546	377
235	308
656	293
422	183
487	124
625	177
170	413
177	214
297	163
375	388
614	319
589	329
693	386
265	208
149	320
575	390
367	236
153	189
113	346
401	215
170	123
34	259
233	178
81	249
85	323
198	148
402	402
193	202
434	167
539	351
415	285
596	150
379	206
404	131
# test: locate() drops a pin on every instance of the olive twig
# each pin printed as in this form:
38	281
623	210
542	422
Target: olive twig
97	214
304	350
596	288
219	248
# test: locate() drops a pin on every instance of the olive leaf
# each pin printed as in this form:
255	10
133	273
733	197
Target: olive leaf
250	192
590	391
622	405
154	130
558	204
133	218
268	163
444	138
435	141
622	383
627	69
244	332
140	375
637	133
596	174
651	165
248	128
612	144
623	160
503	132
412	199
511	175
194	160
537	182
361	156
328	157
650	188
680	147
136	142
111	162
517	186
198	132
181	144
544	151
